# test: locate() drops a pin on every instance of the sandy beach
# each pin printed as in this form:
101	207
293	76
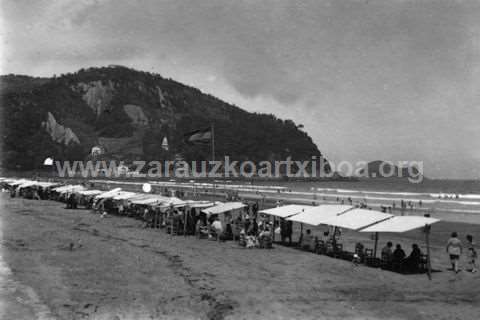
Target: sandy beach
118	270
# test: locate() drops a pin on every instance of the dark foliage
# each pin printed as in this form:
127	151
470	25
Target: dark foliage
177	109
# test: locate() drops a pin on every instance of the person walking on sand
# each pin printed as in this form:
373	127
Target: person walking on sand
471	254
454	249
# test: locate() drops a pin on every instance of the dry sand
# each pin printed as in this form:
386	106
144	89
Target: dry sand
118	270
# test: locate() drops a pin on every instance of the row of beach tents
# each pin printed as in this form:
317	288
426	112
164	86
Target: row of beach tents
343	216
117	194
334	215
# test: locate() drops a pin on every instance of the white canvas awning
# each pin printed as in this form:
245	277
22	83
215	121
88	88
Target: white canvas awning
138	196
146	201
45	184
65	187
319	214
400	224
224	207
90	192
173	201
61	187
123	195
69	188
151	200
286	211
73	189
109	194
27	184
18	182
201	204
358	218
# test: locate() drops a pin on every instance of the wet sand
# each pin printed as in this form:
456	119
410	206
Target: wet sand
118	270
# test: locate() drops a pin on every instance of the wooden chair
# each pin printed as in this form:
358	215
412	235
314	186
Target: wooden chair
386	262
338	250
320	247
423	262
174	229
368	257
266	242
339	247
329	249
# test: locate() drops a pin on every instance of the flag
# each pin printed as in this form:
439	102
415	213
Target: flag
203	136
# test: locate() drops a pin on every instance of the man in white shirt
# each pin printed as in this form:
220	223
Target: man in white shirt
217	226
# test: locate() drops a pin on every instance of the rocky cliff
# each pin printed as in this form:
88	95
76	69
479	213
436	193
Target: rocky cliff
59	133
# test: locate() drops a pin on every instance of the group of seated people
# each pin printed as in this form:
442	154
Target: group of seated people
328	243
397	259
262	239
250	232
35	193
391	259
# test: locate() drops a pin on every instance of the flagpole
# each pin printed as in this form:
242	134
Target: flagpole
213	155
213	142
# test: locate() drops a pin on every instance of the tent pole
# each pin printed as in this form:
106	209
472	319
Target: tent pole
301	233
375	246
185	217
427	240
334	238
273	230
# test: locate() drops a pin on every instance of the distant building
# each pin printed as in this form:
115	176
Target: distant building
165	144
96	151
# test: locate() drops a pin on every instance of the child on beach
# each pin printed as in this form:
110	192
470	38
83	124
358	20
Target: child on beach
471	254
454	249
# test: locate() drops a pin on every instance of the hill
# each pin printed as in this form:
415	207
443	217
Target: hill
385	169
127	114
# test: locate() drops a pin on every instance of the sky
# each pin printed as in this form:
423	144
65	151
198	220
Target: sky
369	80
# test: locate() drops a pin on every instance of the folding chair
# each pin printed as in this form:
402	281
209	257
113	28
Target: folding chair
368	258
320	247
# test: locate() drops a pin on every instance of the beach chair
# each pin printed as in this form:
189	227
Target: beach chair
236	231
386	262
397	266
337	250
174	229
203	232
320	247
329	249
368	257
422	267
339	247
266	242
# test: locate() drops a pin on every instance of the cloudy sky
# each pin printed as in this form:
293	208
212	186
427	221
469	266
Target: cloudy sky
394	80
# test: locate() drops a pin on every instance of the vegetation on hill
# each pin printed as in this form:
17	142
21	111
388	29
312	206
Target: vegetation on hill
91	102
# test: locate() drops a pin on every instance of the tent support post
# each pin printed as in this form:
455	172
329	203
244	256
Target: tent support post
301	233
273	230
185	215
427	241
334	238
376	245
